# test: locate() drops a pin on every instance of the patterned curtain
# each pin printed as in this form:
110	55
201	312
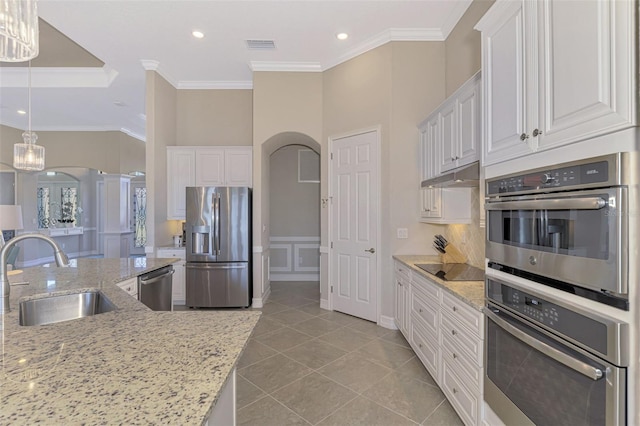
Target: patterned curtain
140	216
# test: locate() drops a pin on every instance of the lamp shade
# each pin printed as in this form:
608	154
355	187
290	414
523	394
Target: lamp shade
10	217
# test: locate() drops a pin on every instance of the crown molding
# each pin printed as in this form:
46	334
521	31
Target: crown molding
454	17
391	34
71	128
133	134
215	85
58	77
285	66
152	65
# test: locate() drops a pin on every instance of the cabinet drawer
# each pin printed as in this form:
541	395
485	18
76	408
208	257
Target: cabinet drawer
424	312
402	270
179	253
426	347
430	290
462	312
463	400
464	365
463	339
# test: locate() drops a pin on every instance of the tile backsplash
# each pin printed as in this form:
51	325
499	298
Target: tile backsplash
470	239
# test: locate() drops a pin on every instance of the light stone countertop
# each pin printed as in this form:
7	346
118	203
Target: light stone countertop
129	366
471	292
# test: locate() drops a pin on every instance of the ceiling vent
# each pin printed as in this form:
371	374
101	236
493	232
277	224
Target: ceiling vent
260	45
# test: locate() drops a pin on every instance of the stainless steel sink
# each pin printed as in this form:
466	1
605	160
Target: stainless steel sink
66	307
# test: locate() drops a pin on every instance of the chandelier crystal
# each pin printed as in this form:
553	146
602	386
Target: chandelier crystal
18	30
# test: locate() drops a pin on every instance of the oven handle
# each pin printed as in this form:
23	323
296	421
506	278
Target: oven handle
579	366
588	203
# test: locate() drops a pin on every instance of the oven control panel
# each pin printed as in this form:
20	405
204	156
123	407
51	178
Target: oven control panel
552	316
560	177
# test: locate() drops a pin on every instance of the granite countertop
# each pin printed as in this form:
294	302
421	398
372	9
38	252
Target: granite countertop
471	292
128	366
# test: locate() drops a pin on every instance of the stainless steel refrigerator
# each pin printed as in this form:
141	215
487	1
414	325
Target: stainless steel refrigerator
218	232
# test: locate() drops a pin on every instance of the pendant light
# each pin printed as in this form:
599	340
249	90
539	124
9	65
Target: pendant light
28	155
18	30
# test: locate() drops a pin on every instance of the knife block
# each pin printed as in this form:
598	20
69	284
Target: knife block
453	255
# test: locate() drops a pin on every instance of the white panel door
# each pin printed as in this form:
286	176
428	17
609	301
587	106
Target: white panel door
448	136
469	124
180	174
238	166
354	233
504	79
210	167
586	69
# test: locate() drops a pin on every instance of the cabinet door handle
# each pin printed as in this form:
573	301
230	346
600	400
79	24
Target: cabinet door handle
420	345
453	332
455	309
524	137
536	132
454	390
420	310
454	356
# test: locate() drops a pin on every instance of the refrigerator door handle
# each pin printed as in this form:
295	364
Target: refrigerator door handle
215	219
219	221
213	266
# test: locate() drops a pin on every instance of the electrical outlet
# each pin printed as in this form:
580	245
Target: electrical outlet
463	239
403	233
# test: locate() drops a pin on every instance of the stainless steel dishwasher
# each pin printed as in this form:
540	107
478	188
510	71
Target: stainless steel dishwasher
154	289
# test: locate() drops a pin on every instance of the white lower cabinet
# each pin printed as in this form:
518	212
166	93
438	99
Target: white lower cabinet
178	289
447	335
130	286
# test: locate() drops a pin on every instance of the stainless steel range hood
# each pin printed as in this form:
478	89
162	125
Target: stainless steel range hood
464	177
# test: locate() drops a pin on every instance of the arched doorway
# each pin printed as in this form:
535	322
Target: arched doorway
289	148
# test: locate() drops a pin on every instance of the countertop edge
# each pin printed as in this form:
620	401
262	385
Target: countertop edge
452	287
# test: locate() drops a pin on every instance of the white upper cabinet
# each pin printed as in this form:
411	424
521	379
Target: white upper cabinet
555	72
181	172
460	136
204	166
209	167
429	145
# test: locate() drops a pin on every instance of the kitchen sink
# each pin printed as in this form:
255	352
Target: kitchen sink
65	307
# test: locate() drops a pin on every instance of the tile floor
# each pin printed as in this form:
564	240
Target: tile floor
308	366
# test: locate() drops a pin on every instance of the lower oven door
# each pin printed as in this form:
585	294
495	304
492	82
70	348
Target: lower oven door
533	377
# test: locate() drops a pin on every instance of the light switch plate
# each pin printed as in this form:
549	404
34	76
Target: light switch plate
403	233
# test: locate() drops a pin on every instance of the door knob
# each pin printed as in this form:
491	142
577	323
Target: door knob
371	250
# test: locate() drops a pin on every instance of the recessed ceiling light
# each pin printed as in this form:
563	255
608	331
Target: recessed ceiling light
197	34
342	36
119	103
21	112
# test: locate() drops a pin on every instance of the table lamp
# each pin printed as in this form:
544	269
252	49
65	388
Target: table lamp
10	218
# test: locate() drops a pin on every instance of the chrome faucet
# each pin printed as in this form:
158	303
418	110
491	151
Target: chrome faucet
58	254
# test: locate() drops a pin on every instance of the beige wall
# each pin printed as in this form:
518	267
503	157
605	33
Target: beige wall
161	132
111	152
214	117
287	109
463	47
295	206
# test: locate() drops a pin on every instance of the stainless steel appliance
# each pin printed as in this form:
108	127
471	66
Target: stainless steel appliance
565	226
154	289
453	271
218	231
549	362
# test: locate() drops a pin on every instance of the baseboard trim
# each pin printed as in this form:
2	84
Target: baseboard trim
387	322
294	277
258	302
324	304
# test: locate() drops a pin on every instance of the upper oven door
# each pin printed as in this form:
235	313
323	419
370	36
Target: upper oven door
576	237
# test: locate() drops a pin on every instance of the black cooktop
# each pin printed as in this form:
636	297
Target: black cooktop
453	271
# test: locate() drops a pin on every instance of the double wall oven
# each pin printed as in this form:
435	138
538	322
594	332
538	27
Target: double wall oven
552	360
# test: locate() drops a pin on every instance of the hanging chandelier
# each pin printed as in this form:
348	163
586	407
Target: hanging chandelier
28	155
18	30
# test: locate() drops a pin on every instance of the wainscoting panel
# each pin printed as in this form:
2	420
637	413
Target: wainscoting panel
294	258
